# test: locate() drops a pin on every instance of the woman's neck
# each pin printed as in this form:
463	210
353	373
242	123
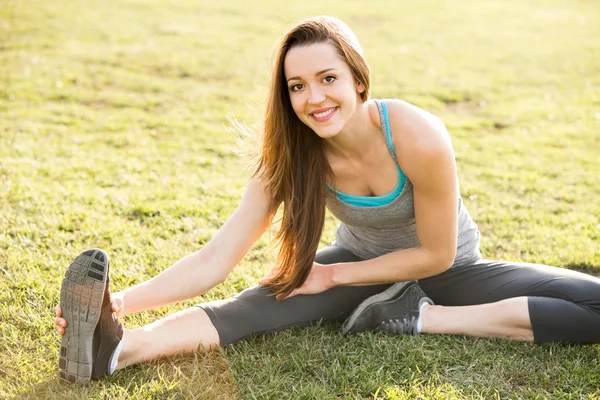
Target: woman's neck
356	138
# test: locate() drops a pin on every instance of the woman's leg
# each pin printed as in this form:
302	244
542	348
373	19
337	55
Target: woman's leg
183	332
254	311
507	319
514	300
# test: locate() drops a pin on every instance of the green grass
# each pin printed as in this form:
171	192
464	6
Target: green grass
113	134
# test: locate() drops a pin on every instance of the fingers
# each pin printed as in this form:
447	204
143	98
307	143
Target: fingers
270	275
282	297
262	281
117	306
61	324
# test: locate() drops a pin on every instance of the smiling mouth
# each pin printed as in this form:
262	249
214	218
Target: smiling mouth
323	115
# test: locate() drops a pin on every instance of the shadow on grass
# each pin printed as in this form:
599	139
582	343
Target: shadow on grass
201	376
586	268
316	362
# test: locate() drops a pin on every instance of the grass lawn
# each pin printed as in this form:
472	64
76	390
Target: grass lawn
113	134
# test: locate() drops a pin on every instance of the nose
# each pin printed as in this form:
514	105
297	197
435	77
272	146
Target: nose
316	96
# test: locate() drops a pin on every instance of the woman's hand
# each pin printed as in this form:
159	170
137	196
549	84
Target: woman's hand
116	300
319	280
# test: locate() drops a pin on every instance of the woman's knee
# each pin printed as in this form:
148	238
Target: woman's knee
335	254
252	311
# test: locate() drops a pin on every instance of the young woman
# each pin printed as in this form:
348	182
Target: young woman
386	170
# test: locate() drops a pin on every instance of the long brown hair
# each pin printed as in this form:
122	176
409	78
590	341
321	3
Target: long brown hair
291	161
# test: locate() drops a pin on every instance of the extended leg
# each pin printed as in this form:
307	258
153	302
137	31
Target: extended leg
183	332
254	311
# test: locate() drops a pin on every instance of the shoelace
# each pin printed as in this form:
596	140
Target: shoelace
404	326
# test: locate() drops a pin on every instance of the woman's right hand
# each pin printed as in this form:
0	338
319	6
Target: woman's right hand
116	302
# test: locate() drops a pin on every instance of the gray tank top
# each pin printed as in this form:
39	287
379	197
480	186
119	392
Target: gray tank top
373	231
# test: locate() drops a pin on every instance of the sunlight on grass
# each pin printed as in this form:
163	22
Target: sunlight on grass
113	134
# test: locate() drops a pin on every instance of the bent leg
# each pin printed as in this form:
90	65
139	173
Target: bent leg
562	305
507	319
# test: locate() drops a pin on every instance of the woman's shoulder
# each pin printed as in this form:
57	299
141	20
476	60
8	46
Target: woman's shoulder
419	137
415	129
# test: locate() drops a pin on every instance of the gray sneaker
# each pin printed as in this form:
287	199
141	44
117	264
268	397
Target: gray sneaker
395	310
93	331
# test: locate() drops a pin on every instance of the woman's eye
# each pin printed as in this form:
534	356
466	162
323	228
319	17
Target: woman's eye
329	78
296	87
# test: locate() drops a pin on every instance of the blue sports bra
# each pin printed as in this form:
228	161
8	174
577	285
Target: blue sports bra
376	201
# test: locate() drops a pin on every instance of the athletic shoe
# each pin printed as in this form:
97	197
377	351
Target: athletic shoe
93	331
395	310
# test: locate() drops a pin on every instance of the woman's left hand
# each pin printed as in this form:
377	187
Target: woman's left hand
319	280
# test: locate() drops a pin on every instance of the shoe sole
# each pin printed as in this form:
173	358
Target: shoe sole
81	296
391	292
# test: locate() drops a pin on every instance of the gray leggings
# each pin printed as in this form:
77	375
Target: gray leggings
564	305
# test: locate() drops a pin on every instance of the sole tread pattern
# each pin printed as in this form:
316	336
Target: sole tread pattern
81	297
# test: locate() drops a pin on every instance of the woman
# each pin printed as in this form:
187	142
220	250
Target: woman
386	170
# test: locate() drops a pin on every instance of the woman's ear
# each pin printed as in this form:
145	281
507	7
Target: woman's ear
360	88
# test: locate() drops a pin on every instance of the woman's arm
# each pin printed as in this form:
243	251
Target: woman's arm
200	271
426	156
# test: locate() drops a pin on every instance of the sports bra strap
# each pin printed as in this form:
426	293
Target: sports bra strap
385	127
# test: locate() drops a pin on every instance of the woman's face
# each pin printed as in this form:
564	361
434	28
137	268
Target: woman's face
322	89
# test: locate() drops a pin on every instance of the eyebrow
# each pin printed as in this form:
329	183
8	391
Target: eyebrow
317	74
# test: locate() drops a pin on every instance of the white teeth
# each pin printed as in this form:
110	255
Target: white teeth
324	114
